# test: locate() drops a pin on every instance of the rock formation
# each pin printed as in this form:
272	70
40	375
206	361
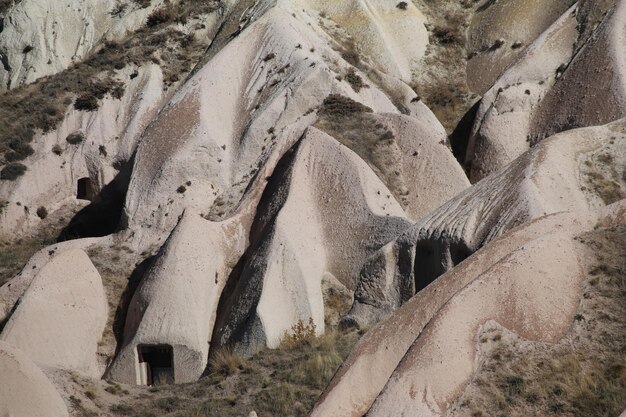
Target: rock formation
192	190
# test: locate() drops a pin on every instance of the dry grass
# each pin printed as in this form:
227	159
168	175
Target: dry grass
226	362
280	382
584	375
301	334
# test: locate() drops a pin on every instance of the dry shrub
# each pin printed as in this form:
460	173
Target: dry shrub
355	80
12	171
226	362
336	106
300	334
278	400
162	15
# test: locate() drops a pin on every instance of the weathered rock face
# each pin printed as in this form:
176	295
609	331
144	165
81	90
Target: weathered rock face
599	65
407	153
176	304
393	38
533	291
403	365
504	119
296	158
543	181
553	87
40	38
367	370
323	212
102	143
60	318
256	96
499	32
25	389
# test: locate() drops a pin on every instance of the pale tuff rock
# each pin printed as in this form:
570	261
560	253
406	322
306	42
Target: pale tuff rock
295	161
260	90
26	392
394	39
549	90
367	370
60	318
407	153
503	121
176	303
12	291
324	212
543	181
533	291
109	138
41	37
499	32
599	66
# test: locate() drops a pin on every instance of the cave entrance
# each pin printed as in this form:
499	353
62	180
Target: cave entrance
156	364
85	189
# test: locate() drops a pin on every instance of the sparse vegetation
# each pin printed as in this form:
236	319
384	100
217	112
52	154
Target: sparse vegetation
336	106
602	176
299	335
443	88
226	362
280	382
161	15
116	266
355	80
583	375
15	254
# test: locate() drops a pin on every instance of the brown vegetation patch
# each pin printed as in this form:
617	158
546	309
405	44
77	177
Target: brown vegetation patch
336	107
604	172
115	265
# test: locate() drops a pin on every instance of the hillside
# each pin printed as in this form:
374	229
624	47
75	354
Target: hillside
312	208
